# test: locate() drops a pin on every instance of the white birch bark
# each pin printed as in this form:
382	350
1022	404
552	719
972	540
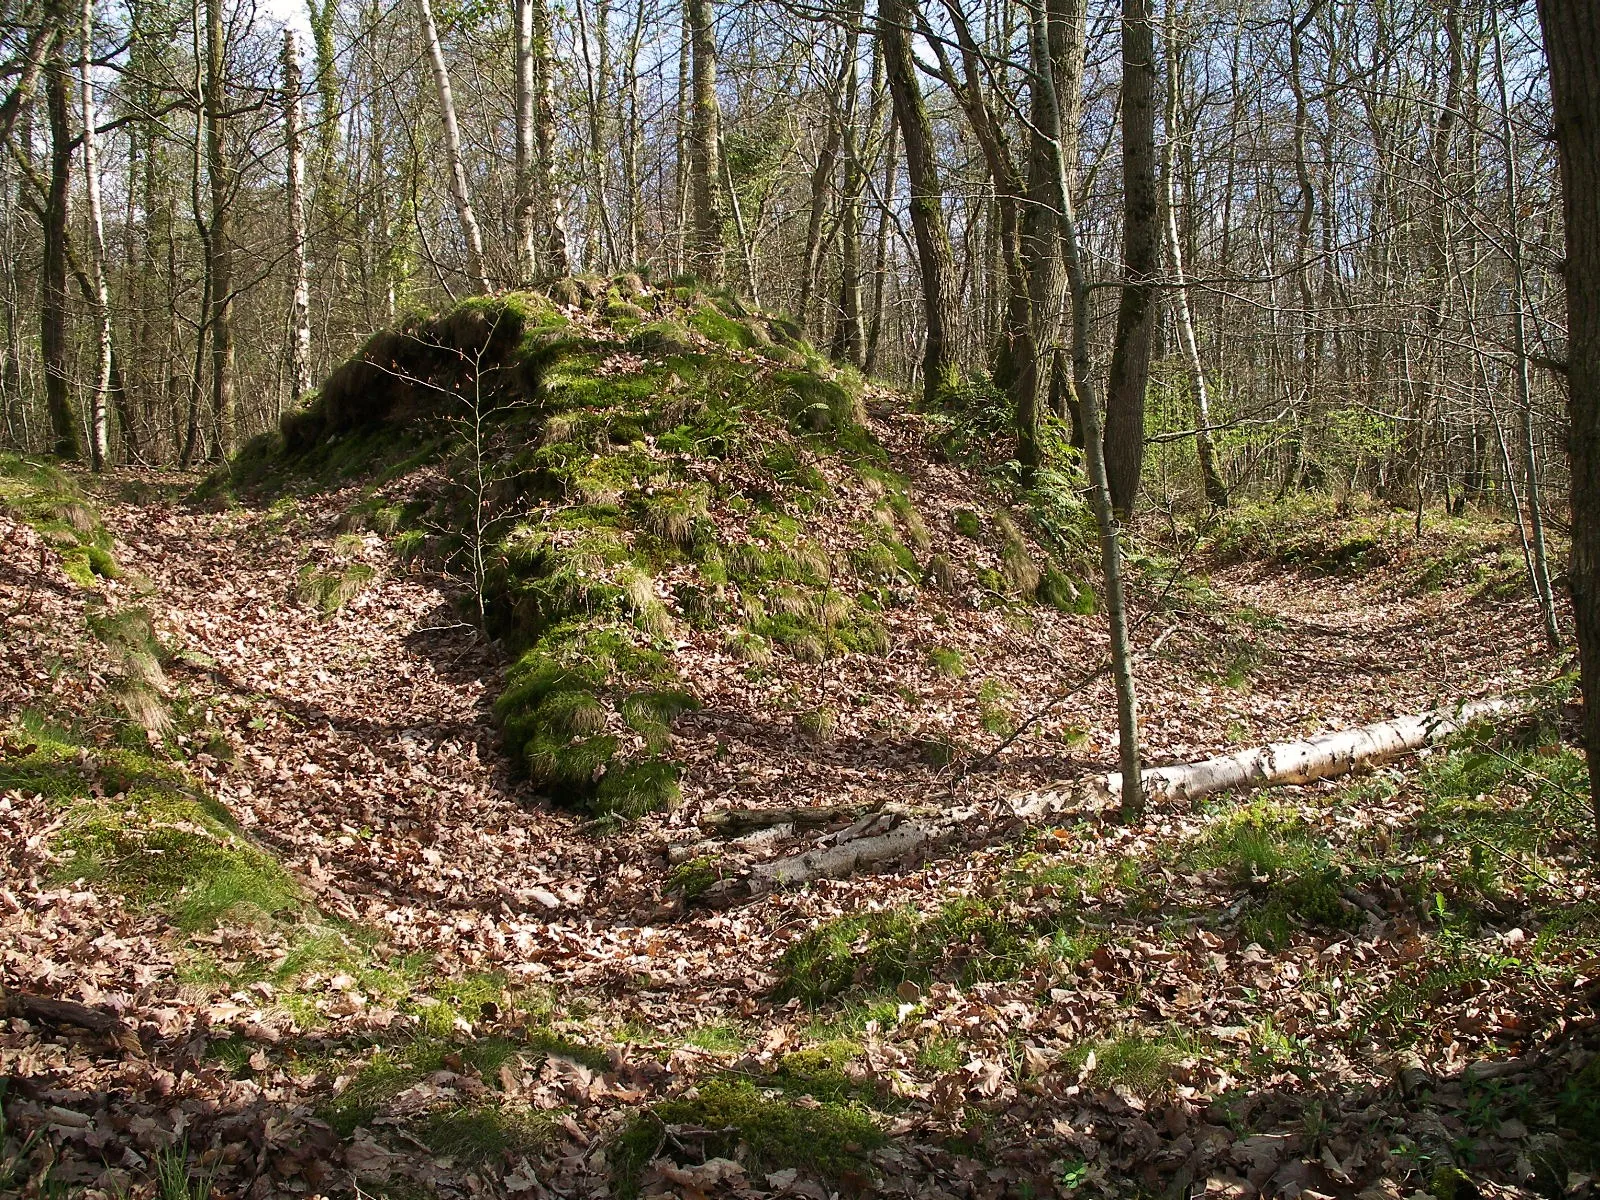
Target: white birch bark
100	387
300	293
452	148
527	263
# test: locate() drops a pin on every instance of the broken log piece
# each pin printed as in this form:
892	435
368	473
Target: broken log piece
846	858
62	1012
732	822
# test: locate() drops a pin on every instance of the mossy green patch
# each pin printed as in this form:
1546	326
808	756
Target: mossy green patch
50	500
768	1130
139	828
968	936
1293	877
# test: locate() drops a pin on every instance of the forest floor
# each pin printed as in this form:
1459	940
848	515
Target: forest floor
1381	986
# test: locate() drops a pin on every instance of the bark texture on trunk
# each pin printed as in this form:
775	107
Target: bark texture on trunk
1065	35
220	245
935	260
526	201
452	149
544	139
705	144
1141	262
66	437
300	293
1572	43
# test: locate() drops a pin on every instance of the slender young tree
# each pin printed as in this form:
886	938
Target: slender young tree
1216	491
300	284
99	294
456	166
1089	406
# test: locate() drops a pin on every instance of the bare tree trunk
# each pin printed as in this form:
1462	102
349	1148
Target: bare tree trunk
705	143
221	242
1572	43
1216	490
1094	453
827	159
880	246
1141	253
936	262
100	387
452	148
527	260
1041	250
1519	344
300	294
66	435
544	137
849	335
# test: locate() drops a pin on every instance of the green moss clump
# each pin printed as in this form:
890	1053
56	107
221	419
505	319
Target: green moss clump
967	523
695	877
883	949
137	827
771	1132
48	499
560	696
328	591
947	662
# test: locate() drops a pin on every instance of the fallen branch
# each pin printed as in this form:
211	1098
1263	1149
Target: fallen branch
49	1011
732	822
894	834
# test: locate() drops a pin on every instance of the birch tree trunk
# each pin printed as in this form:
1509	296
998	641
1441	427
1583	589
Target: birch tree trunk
527	262
544	137
100	304
452	148
300	293
1216	491
849	335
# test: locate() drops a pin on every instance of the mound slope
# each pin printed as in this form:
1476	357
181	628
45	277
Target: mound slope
673	512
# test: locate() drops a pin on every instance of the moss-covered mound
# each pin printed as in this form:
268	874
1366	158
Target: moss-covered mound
48	499
612	468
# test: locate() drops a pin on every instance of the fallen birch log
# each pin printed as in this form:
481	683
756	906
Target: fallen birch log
1278	764
1286	763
